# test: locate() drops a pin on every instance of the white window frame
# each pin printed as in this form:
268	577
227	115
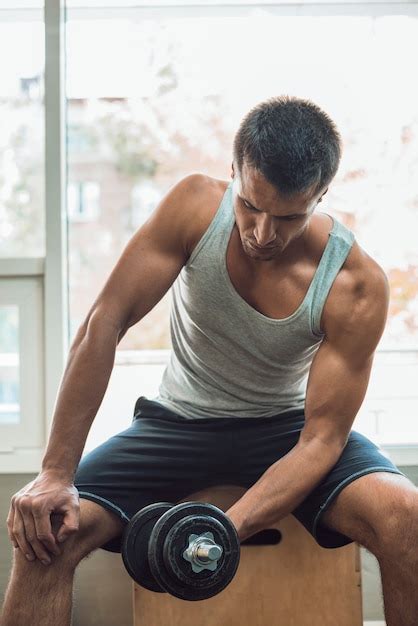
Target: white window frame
56	261
52	271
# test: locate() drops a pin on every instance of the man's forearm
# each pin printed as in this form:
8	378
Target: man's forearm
81	392
283	487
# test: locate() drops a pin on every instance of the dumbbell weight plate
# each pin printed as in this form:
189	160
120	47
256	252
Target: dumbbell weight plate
135	544
170	537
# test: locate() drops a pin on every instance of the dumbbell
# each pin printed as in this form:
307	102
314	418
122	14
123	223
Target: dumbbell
190	550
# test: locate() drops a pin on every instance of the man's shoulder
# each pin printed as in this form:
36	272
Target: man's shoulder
197	187
197	198
359	295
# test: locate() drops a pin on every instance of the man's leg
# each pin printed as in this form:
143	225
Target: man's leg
380	512
42	594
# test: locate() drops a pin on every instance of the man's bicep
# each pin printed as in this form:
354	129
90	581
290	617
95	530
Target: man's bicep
335	393
149	264
340	372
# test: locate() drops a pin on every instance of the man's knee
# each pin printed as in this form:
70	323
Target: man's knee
97	526
398	532
24	569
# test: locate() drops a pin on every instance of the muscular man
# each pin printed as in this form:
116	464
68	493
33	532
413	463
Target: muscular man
276	315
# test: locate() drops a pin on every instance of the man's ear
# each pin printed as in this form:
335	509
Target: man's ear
232	170
320	199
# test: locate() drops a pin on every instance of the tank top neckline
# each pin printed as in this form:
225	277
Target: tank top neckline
226	204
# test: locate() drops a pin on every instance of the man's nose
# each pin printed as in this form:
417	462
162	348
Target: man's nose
264	232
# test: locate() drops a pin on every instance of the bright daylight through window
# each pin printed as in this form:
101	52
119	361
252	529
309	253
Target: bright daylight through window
164	100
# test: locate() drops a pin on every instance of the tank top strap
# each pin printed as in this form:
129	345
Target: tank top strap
339	244
214	238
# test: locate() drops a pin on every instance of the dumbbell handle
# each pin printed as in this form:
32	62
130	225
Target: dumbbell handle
210	552
202	552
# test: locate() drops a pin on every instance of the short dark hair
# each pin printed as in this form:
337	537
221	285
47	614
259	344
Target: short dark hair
292	142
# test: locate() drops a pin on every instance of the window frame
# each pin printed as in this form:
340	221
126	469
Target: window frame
52	270
56	316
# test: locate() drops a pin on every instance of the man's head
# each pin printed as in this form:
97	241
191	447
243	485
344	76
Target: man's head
286	152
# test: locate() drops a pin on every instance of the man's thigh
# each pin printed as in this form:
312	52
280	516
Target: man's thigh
374	509
360	458
153	460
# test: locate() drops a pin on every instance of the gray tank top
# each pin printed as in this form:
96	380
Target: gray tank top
228	359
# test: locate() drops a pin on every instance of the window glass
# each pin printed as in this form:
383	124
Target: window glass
9	365
166	98
22	214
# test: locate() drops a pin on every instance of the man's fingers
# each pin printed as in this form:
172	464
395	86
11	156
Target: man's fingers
32	539
9	522
44	533
20	537
69	525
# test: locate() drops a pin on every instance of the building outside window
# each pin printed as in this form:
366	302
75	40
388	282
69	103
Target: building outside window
83	201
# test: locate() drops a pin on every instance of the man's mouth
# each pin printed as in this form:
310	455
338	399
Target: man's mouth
261	248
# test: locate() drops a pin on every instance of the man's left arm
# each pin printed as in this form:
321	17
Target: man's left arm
337	384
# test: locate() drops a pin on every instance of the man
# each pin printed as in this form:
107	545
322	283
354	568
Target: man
276	315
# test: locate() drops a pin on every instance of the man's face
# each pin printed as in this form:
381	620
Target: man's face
267	223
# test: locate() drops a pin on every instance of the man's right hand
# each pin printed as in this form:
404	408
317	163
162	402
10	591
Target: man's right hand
29	521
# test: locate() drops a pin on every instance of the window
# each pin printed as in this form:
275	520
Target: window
22	234
9	365
79	140
144	198
22	213
83	201
161	94
180	116
21	372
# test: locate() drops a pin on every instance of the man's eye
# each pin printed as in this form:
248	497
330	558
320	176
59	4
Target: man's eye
288	218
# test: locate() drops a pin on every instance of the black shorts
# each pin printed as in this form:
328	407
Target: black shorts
163	456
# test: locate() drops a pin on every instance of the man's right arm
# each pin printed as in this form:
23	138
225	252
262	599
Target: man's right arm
145	271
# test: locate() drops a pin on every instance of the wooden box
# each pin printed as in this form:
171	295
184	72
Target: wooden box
293	583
